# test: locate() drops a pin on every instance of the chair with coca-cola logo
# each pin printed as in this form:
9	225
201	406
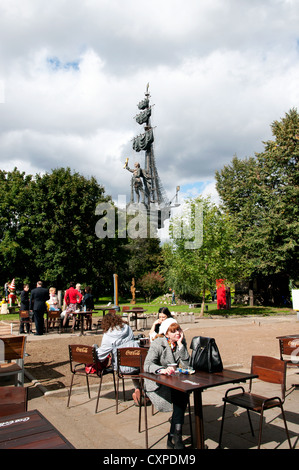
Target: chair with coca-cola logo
84	362
289	351
129	363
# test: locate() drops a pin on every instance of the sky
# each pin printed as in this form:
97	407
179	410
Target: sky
73	72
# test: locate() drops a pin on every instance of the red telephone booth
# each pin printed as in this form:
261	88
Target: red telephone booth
221	294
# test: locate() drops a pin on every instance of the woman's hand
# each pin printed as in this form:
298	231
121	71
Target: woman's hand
156	322
179	341
168	371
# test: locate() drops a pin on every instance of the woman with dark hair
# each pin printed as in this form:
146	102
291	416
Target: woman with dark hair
117	334
163	314
168	348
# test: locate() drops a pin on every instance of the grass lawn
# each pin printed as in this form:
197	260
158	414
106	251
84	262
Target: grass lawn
210	311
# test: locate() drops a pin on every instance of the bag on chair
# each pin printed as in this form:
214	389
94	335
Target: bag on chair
205	355
93	368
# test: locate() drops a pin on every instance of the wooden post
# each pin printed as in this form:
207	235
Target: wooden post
115	278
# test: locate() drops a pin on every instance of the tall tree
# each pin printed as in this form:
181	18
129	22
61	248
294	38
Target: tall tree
63	214
15	225
48	229
192	269
261	195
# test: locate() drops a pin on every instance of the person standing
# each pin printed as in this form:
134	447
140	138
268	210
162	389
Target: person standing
88	305
24	306
37	303
72	298
6	290
25	298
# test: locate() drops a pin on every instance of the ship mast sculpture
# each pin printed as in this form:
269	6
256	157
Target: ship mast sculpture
145	182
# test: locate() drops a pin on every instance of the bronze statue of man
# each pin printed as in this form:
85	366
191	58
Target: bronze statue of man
137	180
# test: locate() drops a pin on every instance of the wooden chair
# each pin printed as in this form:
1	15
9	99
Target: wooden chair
82	356
13	400
132	357
128	357
53	320
25	320
289	351
12	348
269	370
289	346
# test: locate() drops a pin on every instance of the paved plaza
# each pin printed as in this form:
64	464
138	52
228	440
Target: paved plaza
106	430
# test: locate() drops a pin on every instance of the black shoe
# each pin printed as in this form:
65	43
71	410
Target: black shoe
170	444
177	437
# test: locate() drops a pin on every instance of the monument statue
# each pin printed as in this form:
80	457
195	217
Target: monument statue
145	181
136	180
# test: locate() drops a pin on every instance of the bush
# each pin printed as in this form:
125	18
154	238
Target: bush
151	284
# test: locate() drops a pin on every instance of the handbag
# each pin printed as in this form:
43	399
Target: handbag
98	367
205	355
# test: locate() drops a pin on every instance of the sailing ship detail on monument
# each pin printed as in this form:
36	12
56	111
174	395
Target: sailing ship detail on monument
146	186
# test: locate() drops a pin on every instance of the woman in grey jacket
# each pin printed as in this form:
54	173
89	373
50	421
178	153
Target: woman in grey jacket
168	348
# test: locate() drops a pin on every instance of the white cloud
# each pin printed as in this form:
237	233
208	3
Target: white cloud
73	72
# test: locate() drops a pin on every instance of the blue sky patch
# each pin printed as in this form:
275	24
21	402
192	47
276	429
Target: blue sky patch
56	64
193	189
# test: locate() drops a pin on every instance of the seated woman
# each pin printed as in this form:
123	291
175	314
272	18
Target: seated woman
163	314
53	300
168	348
117	334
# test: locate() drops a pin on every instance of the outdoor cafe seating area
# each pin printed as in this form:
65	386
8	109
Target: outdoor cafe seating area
240	385
85	320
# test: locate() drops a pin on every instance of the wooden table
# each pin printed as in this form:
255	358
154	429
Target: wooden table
197	383
136	311
82	313
103	309
30	430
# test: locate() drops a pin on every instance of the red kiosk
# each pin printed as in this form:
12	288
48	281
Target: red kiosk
223	295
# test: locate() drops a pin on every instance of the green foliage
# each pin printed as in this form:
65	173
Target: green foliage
141	256
261	196
47	232
151	284
191	271
48	229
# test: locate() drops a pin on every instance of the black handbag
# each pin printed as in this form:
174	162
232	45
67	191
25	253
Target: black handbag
205	355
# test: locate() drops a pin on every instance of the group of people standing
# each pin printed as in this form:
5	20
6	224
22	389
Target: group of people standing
40	296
